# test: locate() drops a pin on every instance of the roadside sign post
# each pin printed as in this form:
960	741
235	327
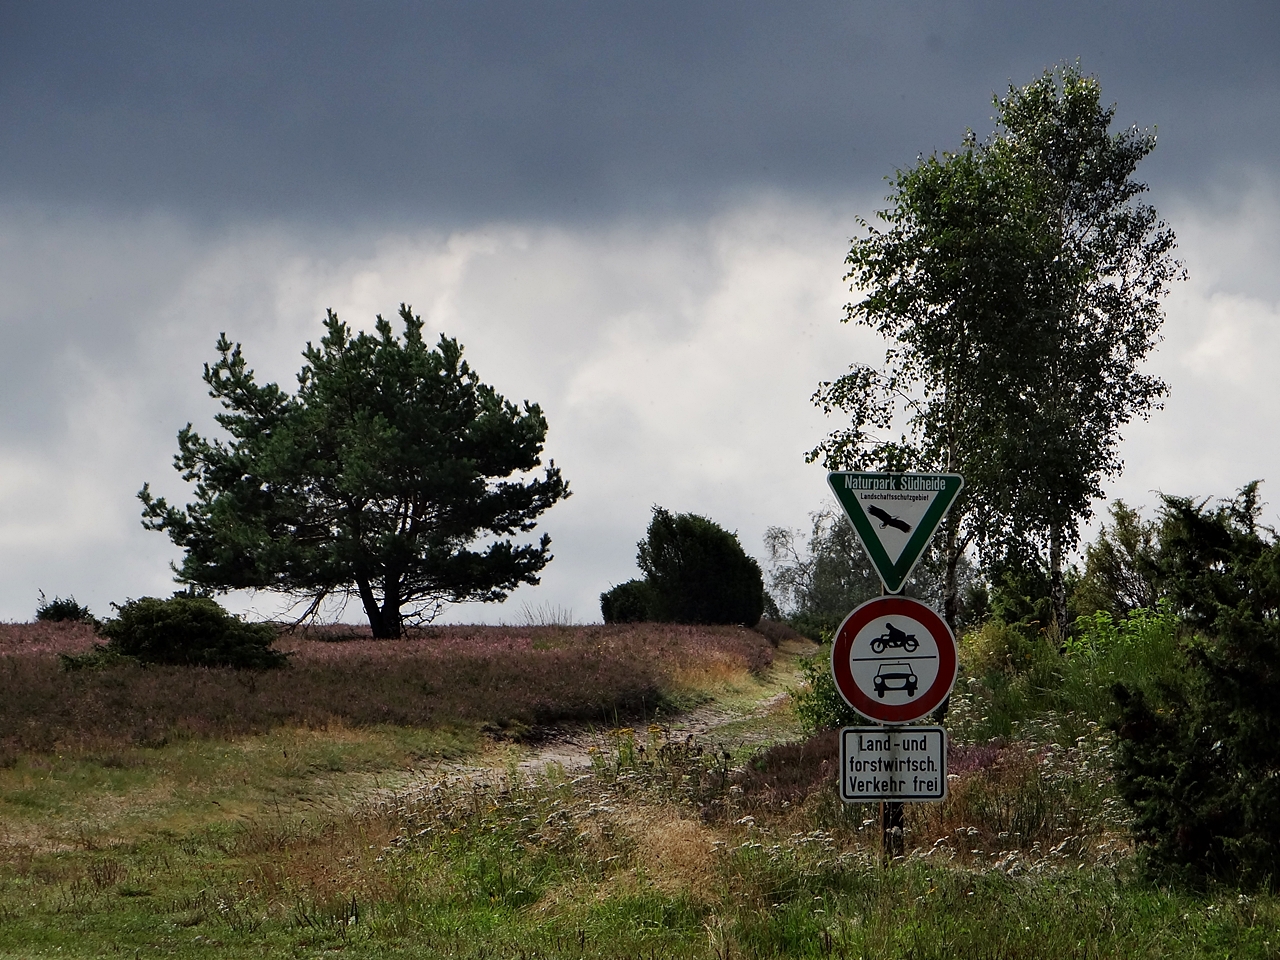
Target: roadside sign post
895	516
893	763
894	660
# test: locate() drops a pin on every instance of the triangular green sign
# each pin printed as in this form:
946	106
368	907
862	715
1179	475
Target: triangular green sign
894	515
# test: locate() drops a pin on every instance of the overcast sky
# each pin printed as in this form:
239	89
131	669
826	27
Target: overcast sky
633	214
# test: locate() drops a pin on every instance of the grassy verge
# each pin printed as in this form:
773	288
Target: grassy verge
88	800
350	840
666	847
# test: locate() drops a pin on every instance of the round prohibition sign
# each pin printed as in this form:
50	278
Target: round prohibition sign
894	660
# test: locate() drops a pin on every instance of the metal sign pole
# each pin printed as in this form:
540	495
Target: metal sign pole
891	816
891	837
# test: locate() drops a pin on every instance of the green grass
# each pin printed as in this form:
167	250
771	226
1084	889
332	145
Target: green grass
91	798
603	865
353	842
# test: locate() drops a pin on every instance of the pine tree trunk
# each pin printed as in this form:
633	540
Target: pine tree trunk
371	610
392	624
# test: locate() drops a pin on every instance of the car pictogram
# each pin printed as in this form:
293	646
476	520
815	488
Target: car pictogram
895	676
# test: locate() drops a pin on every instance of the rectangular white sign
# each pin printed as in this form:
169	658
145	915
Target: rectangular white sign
893	763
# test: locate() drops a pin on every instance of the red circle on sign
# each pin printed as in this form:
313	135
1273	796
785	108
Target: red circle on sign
929	699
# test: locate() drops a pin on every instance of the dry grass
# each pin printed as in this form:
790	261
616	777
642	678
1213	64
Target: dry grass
674	851
46	638
789	773
717	669
666	846
778	633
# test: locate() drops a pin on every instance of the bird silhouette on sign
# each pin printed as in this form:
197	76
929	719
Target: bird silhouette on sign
888	520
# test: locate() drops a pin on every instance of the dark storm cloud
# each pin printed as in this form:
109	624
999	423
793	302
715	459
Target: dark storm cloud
470	111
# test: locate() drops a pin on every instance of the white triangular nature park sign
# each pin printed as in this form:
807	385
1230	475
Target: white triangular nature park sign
895	515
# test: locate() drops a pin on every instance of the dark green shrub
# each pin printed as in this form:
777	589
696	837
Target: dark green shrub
1198	751
817	627
190	631
59	610
699	572
996	647
98	656
1019	598
630	602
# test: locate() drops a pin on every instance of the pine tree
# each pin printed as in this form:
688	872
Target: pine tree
371	481
1199	752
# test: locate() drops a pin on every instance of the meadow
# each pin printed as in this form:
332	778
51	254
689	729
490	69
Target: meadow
387	799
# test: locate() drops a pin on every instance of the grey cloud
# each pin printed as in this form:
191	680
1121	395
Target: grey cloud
463	112
674	363
632	213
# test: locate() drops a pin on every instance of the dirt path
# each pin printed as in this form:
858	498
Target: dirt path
571	748
733	721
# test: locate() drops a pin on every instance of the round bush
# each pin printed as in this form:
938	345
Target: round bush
59	610
699	572
190	631
630	602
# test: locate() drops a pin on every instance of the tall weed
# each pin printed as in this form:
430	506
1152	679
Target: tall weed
1008	679
818	704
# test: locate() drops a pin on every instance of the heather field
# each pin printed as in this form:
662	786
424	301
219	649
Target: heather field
509	679
638	792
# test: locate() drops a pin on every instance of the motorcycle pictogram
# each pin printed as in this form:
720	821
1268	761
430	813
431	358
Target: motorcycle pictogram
895	639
